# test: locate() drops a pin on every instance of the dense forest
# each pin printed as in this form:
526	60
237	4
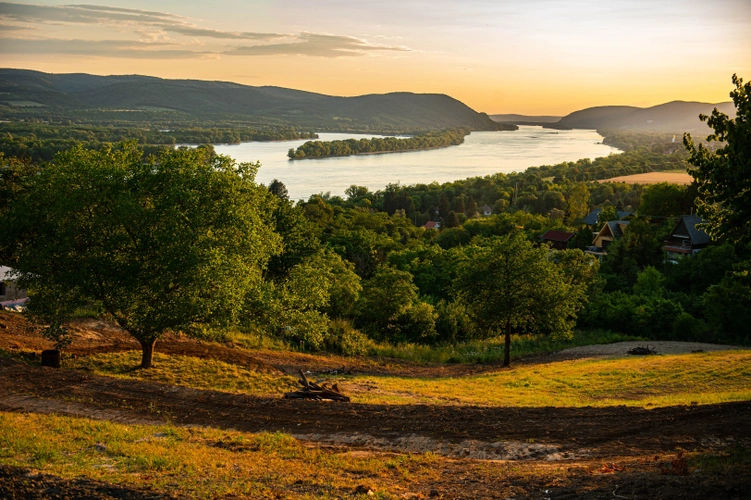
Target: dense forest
41	141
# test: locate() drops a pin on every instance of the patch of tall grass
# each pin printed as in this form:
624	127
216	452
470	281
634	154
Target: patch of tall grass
186	371
648	381
492	350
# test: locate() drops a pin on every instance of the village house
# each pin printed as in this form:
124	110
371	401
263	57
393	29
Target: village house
557	239
485	210
9	292
432	225
593	216
685	238
611	231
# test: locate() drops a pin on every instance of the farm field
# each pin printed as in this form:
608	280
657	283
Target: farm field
672	177
209	421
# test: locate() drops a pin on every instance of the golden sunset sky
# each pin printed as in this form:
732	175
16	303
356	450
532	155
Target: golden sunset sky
530	57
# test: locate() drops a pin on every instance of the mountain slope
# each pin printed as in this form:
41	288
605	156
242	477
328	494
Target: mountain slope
676	117
76	93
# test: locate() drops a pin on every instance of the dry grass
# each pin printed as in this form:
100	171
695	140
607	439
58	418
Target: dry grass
198	463
672	177
651	381
186	371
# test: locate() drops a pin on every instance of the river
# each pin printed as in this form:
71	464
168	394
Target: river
481	154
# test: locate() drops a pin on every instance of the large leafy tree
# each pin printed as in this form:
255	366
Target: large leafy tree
512	284
174	242
723	176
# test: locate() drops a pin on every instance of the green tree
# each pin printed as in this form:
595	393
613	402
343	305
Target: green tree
385	297
175	242
278	189
578	202
608	213
665	200
511	284
452	220
723	177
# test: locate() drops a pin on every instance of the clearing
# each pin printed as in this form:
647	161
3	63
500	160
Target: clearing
209	421
653	178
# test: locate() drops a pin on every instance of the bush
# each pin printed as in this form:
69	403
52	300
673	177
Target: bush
345	339
686	327
452	322
416	324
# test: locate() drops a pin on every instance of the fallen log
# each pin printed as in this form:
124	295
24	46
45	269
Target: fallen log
642	351
316	390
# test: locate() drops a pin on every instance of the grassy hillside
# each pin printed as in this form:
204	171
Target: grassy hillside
136	98
654	381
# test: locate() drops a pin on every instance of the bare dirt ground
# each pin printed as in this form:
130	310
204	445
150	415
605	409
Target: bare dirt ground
653	178
620	349
579	440
569	449
597	431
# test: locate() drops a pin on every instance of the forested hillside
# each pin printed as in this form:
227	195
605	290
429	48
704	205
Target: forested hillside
133	98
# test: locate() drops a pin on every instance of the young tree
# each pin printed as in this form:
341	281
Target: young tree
513	284
170	243
278	189
723	177
578	202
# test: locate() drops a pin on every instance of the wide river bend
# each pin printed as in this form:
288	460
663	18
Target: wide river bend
481	154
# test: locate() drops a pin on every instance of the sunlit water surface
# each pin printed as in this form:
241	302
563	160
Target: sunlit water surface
482	153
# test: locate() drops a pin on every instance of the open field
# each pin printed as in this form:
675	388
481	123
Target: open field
209	421
653	178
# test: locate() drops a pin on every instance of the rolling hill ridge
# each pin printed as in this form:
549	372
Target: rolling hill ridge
34	92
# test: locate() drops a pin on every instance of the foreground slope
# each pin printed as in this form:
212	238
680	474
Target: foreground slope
68	94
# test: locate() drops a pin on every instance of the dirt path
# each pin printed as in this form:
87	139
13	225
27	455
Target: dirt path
620	349
557	433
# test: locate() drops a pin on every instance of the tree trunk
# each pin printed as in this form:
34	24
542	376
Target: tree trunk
507	351
147	352
51	358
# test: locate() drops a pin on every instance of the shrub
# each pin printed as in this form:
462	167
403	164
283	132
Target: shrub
345	339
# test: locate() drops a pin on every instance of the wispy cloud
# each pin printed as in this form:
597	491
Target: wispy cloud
153	30
97	14
108	48
315	44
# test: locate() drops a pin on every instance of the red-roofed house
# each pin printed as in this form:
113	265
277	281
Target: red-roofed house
432	225
557	239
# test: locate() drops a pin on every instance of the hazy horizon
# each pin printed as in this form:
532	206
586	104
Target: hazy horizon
544	57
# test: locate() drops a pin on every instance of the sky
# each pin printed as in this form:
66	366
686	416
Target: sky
498	56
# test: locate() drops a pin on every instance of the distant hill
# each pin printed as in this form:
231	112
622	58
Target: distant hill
34	92
524	119
674	117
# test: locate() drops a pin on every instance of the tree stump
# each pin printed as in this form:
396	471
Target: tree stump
51	358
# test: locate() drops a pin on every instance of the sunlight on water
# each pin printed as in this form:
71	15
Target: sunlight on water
482	153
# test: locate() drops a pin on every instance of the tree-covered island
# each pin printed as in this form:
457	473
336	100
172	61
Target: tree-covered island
375	145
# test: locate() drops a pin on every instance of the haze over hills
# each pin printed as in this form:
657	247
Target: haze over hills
34	92
675	117
522	119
